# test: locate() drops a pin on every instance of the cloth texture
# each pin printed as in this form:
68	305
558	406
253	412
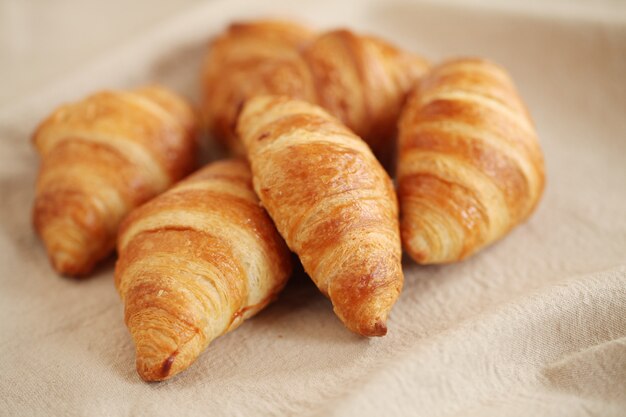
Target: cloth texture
533	325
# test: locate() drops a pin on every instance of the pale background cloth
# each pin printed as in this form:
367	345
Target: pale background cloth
534	325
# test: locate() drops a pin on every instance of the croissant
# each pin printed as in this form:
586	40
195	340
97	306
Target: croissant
470	166
194	263
361	80
101	157
333	203
249	59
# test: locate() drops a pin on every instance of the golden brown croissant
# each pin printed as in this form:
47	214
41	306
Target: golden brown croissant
361	80
101	157
470	167
249	59
194	263
332	202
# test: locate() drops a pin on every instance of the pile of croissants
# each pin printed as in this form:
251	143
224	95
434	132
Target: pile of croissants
312	121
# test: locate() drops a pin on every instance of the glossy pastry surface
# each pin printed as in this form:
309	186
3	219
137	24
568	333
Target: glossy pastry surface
332	202
194	263
362	80
470	167
100	158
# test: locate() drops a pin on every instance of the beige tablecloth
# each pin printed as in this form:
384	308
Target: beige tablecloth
535	325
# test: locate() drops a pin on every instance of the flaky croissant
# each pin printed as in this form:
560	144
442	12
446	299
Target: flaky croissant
194	263
361	80
470	166
261	57
101	157
332	202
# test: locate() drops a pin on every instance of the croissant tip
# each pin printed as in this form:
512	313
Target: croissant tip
153	371
167	364
61	261
366	316
72	252
65	264
160	353
378	329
